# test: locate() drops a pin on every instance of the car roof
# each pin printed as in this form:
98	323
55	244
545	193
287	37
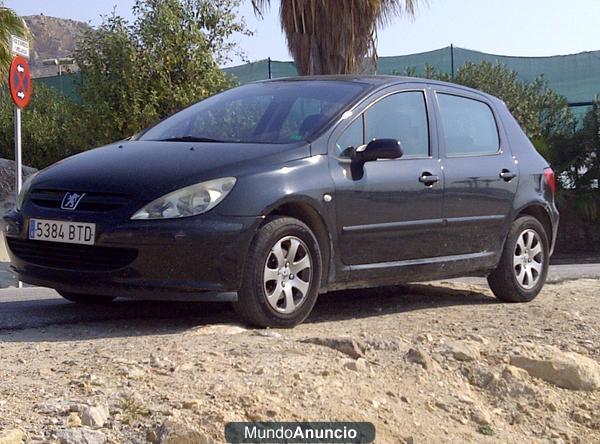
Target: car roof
377	81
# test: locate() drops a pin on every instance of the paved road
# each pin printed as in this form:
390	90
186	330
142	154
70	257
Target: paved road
38	307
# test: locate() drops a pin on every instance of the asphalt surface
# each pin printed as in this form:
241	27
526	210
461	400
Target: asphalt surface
33	307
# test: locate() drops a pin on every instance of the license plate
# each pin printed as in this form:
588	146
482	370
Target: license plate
61	231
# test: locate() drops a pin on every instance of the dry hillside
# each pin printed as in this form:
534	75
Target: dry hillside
52	38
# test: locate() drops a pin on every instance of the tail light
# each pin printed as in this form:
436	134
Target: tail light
550	179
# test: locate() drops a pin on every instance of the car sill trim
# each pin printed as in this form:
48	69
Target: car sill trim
414	262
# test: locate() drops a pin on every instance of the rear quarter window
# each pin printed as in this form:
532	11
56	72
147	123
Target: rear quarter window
469	126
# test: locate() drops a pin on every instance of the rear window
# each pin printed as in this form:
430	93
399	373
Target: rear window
269	112
469	126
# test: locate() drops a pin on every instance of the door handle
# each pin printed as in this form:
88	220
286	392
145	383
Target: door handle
507	175
428	178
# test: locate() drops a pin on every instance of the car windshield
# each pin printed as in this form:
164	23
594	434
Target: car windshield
269	112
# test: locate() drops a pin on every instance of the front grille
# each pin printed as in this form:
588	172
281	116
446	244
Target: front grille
98	202
70	256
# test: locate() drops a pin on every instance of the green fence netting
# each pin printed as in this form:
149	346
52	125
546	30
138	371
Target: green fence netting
64	84
575	76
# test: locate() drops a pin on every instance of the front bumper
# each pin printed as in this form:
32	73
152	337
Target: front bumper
202	256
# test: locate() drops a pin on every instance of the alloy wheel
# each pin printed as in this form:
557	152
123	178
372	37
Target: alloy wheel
287	274
528	259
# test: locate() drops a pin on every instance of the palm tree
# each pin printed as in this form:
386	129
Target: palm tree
10	24
334	36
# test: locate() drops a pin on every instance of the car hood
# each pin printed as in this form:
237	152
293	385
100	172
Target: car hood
146	170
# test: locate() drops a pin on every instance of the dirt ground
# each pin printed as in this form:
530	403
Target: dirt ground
425	363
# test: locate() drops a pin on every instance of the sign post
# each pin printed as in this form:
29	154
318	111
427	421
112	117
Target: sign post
19	81
18	160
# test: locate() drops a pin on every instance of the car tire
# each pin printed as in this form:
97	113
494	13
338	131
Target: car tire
271	294
86	298
523	267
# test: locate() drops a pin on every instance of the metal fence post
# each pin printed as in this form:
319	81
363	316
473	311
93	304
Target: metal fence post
452	60
269	63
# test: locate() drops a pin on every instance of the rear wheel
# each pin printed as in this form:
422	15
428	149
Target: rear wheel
86	298
282	275
523	267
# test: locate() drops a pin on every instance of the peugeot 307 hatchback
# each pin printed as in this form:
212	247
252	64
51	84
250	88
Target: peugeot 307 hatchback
271	193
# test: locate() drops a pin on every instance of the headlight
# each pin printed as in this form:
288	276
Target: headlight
188	201
24	190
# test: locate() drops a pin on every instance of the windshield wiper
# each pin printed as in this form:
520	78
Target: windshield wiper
190	139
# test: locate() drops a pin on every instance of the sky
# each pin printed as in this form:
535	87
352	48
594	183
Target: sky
508	27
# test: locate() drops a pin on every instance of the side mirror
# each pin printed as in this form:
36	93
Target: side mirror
378	149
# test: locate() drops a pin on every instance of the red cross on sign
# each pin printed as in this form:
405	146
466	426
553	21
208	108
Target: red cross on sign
20	82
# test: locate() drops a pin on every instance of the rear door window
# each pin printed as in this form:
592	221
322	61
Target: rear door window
469	126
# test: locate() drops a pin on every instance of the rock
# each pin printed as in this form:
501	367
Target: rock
151	436
217	330
94	416
134	373
564	369
444	406
478	338
12	436
463	350
73	420
156	361
420	357
80	436
359	365
176	432
7	176
185	367
466	399
347	346
581	417
482	376
191	404
511	372
481	417
268	334
382	344
424	337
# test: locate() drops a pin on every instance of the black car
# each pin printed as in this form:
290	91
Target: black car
271	193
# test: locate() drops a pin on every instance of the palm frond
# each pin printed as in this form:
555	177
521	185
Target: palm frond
10	24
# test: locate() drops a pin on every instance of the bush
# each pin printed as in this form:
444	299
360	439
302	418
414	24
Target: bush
133	75
51	127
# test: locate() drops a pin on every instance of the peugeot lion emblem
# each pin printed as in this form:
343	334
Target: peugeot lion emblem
71	200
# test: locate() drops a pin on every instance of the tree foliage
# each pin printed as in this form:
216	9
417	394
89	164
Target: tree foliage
334	36
133	75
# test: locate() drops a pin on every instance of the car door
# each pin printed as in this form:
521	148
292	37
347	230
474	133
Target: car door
388	211
480	173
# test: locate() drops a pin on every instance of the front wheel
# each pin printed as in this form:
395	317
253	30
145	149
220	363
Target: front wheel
86	298
282	274
523	267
